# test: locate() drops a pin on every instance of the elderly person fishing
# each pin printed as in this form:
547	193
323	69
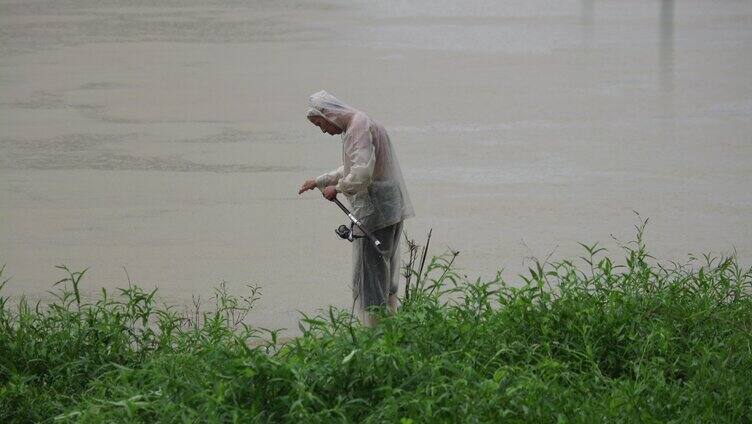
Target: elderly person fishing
371	179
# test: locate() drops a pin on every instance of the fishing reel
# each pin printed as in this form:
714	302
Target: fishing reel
346	233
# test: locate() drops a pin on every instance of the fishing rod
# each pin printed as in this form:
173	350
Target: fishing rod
347	233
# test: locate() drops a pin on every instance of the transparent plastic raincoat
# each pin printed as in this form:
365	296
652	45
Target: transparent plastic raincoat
371	179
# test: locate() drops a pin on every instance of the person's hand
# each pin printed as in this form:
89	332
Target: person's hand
307	185
330	193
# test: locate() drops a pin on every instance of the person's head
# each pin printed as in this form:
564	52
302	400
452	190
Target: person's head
328	113
325	125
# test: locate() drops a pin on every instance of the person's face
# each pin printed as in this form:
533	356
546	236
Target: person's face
326	126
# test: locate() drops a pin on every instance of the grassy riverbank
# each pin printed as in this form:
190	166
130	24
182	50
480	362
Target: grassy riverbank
592	341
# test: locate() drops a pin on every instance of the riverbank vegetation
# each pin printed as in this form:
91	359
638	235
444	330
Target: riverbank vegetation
591	340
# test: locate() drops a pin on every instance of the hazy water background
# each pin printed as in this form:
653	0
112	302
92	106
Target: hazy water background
168	137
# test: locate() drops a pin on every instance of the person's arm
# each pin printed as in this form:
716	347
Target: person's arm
360	151
329	178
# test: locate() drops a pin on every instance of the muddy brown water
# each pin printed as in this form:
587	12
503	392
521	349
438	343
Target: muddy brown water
168	137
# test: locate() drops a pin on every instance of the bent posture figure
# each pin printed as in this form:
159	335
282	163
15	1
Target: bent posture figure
371	179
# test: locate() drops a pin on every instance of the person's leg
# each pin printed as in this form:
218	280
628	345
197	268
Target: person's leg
357	279
393	302
372	273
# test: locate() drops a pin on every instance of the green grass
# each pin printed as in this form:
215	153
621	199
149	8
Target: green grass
590	341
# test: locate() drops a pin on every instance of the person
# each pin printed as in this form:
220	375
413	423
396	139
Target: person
371	179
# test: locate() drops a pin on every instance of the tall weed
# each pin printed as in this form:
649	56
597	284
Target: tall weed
573	341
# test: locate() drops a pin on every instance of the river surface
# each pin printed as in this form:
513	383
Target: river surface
167	138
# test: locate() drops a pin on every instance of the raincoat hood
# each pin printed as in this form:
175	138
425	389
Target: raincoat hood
330	108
